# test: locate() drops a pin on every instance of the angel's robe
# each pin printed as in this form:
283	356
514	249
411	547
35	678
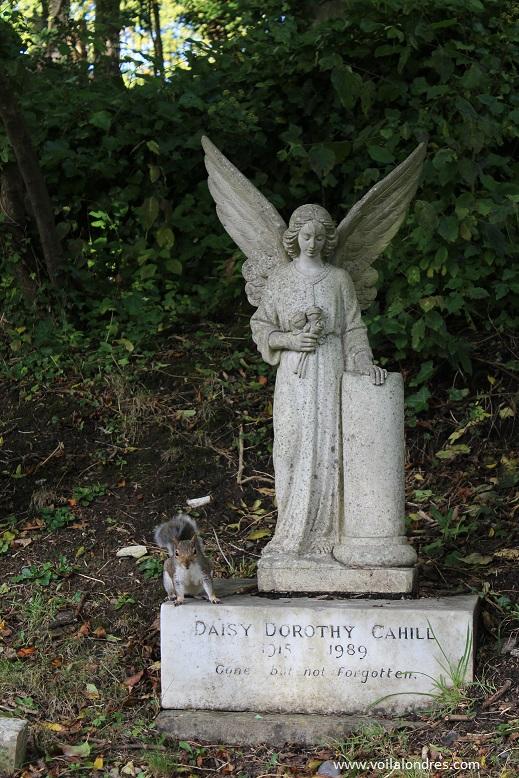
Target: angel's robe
308	445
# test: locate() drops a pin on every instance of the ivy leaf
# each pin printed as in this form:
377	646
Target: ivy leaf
448	228
101	119
380	154
322	160
165	237
348	86
81	751
149	212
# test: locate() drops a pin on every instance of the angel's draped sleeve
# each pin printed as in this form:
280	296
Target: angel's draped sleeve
355	333
264	322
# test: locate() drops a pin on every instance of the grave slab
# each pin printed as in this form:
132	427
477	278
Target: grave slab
13	742
235	728
302	655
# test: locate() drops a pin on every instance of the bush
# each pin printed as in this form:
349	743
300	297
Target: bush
309	113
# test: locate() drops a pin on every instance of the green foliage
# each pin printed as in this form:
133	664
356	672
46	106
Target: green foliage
56	518
150	567
45	573
310	113
84	495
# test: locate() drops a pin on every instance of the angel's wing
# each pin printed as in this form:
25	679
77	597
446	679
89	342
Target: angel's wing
372	223
251	221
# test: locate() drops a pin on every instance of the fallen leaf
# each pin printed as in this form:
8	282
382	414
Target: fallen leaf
100	632
259	533
128	769
72	502
92	692
507	553
53	726
82	750
476	559
98	763
26	651
33	524
84	629
133	680
132	551
453	451
23	542
263	380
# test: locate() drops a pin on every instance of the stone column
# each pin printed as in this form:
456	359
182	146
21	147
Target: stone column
373	435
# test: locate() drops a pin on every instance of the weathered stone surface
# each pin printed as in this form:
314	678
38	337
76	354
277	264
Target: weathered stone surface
309	656
374	497
309	281
276	729
13	742
310	575
224	587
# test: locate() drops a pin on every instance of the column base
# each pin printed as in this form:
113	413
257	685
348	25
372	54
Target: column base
289	574
387	552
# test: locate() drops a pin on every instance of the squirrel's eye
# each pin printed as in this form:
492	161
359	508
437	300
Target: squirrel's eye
177	552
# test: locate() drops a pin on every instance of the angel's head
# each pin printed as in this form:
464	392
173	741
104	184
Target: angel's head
308	220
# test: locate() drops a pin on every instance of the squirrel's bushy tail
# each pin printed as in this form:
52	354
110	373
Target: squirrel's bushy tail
180	527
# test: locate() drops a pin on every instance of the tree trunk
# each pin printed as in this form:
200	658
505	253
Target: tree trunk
58	24
107	45
15	228
157	37
19	138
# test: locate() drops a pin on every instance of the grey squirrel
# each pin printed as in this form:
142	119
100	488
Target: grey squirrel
187	570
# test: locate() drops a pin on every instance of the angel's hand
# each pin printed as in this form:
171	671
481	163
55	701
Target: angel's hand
302	341
378	375
294	341
365	366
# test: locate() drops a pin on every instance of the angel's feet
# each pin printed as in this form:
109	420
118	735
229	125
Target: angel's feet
320	549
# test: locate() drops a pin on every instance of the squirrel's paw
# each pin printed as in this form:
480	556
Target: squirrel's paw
179	601
215	600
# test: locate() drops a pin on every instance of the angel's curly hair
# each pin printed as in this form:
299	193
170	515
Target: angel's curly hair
300	217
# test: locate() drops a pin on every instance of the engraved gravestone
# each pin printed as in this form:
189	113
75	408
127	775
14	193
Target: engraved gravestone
338	460
307	656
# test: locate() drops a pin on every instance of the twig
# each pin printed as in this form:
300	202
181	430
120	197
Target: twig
257	478
90	578
243	550
221	549
239	475
58	451
497	695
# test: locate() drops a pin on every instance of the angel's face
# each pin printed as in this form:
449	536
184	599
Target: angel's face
311	240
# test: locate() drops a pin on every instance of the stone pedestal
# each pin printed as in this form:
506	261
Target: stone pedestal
373	534
301	655
373	555
330	577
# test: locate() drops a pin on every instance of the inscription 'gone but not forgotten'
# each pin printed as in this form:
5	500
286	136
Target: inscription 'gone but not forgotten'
302	656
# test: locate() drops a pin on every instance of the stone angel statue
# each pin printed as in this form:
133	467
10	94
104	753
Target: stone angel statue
309	282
